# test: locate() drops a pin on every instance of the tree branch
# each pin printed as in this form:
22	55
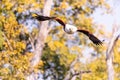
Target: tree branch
8	42
42	35
81	72
31	41
109	54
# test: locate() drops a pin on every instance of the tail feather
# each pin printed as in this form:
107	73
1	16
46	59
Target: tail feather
94	39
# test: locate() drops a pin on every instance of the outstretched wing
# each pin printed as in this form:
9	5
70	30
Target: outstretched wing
43	18
94	39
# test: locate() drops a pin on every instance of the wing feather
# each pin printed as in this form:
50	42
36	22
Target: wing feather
94	39
43	18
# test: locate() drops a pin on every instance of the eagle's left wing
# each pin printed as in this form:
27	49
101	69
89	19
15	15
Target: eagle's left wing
94	39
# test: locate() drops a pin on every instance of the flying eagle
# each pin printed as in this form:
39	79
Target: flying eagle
70	29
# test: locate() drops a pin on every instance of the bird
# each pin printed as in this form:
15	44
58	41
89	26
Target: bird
70	29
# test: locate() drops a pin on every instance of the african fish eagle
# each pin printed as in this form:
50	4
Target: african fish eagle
70	29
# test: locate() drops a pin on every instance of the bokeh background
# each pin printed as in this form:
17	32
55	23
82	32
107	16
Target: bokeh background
33	50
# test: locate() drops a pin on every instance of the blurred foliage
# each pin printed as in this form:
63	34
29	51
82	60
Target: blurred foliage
60	49
99	69
14	59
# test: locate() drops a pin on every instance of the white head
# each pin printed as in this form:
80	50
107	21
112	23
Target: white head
70	29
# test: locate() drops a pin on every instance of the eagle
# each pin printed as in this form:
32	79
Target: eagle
70	29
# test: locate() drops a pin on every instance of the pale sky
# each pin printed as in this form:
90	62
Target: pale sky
108	19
